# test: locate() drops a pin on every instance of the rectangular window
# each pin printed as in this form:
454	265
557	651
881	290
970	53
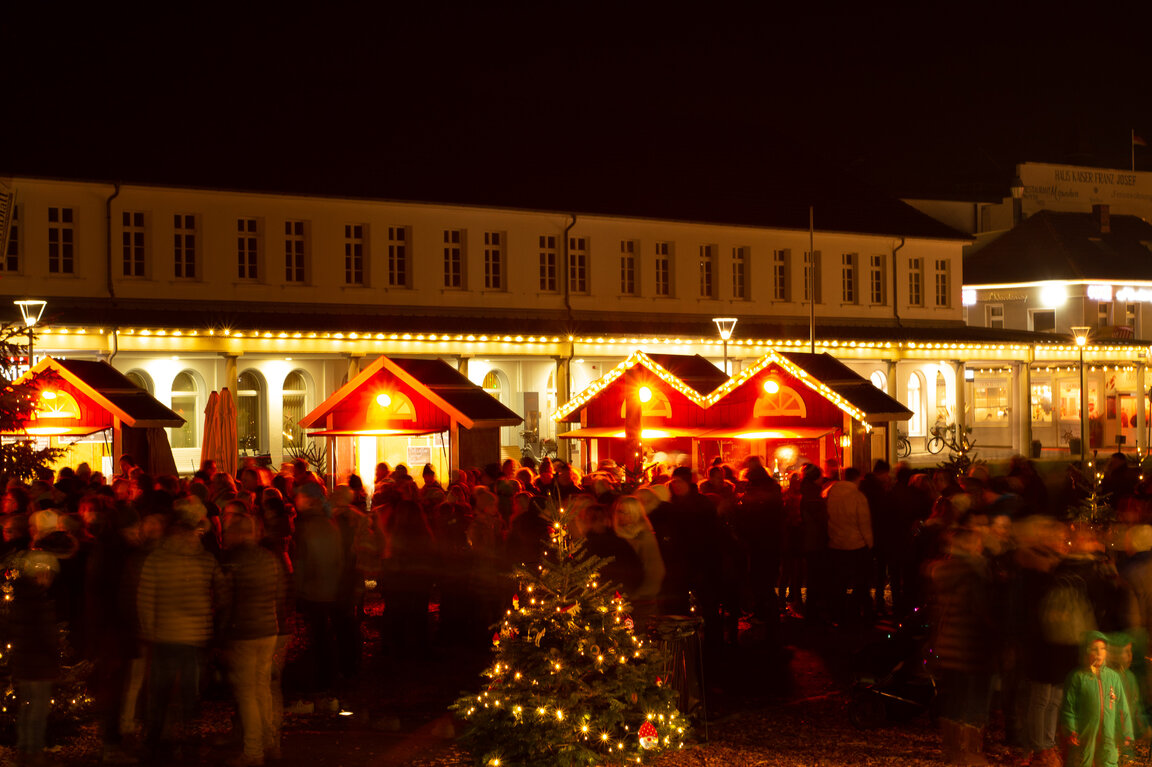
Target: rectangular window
1042	402
628	281
11	261
61	241
397	256
740	273
707	269
453	258
780	275
876	281
991	402
812	277
1131	315
132	239
184	246
915	282
995	315
247	249
578	264
663	269
1103	314
943	293
548	258
494	261
1043	320
354	254
295	252
848	277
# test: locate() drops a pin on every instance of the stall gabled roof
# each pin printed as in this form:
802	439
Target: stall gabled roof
690	365
112	390
443	385
828	377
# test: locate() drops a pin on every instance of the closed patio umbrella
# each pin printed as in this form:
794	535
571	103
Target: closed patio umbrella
210	439
229	445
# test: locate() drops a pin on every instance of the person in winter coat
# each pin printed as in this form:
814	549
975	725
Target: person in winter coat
630	521
180	592
1094	714
850	545
814	528
35	651
317	574
257	615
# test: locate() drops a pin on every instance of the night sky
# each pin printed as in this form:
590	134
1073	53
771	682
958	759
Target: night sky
573	105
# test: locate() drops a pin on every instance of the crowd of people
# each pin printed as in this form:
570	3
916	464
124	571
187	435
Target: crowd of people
155	577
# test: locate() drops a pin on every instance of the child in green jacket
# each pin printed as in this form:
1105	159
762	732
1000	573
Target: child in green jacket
1094	715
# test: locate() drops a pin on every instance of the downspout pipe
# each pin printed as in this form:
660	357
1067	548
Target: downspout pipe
568	315
896	285
108	241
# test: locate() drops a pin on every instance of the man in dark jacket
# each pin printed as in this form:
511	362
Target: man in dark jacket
256	617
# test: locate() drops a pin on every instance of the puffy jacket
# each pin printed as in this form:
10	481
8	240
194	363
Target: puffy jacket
181	587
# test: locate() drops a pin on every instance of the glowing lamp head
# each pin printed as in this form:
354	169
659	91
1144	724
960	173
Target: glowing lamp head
644	394
771	386
1080	333
383	400
48	395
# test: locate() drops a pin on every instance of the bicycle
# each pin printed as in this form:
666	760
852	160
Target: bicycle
903	445
535	448
935	443
945	436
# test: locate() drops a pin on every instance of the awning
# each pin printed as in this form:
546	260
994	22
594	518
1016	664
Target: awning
611	432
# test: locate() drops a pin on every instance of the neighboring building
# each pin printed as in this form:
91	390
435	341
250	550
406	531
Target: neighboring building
1070	247
286	297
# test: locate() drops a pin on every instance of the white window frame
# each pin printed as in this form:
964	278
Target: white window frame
849	278
707	269
629	277
578	277
296	252
399	273
249	240
877	279
993	314
61	240
134	244
741	257
916	281
495	264
549	258
662	269
185	245
356	255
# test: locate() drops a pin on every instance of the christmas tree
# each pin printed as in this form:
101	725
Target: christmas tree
570	682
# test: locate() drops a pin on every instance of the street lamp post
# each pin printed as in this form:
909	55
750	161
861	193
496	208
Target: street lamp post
30	311
1080	333
725	325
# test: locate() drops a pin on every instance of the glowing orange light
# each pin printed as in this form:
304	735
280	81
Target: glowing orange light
383	400
645	394
771	386
48	394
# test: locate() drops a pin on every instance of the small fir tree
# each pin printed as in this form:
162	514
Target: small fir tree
20	458
570	682
1090	506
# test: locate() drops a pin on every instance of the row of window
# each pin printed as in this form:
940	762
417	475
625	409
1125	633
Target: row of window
188	402
632	264
1044	320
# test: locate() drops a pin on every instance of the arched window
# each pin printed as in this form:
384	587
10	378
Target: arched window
186	404
250	413
140	379
878	380
492	383
916	405
295	391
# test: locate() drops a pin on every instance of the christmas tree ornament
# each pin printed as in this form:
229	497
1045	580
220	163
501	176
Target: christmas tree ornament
496	639
628	623
648	737
515	601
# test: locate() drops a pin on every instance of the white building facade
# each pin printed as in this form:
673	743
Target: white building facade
282	298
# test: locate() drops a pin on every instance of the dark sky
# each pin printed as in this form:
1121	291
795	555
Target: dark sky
557	103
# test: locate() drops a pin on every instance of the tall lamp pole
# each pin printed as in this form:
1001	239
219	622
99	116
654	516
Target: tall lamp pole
725	325
30	311
1080	333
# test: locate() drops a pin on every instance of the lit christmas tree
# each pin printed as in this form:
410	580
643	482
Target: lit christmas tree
570	683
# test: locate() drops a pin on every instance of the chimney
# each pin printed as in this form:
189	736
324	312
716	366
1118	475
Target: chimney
1102	218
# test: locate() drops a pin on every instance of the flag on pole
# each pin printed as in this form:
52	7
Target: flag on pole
1138	140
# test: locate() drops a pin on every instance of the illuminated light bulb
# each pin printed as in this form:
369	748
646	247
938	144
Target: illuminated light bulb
645	394
771	386
383	400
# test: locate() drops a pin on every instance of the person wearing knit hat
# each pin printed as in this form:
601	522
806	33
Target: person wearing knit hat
1094	715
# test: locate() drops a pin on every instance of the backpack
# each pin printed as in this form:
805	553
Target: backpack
1065	613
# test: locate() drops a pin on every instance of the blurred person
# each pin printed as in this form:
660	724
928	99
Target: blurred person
758	520
181	589
964	642
318	571
34	655
849	545
601	540
257	615
409	573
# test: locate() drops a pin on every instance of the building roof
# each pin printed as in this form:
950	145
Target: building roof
850	385
693	371
112	390
1052	245
446	388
